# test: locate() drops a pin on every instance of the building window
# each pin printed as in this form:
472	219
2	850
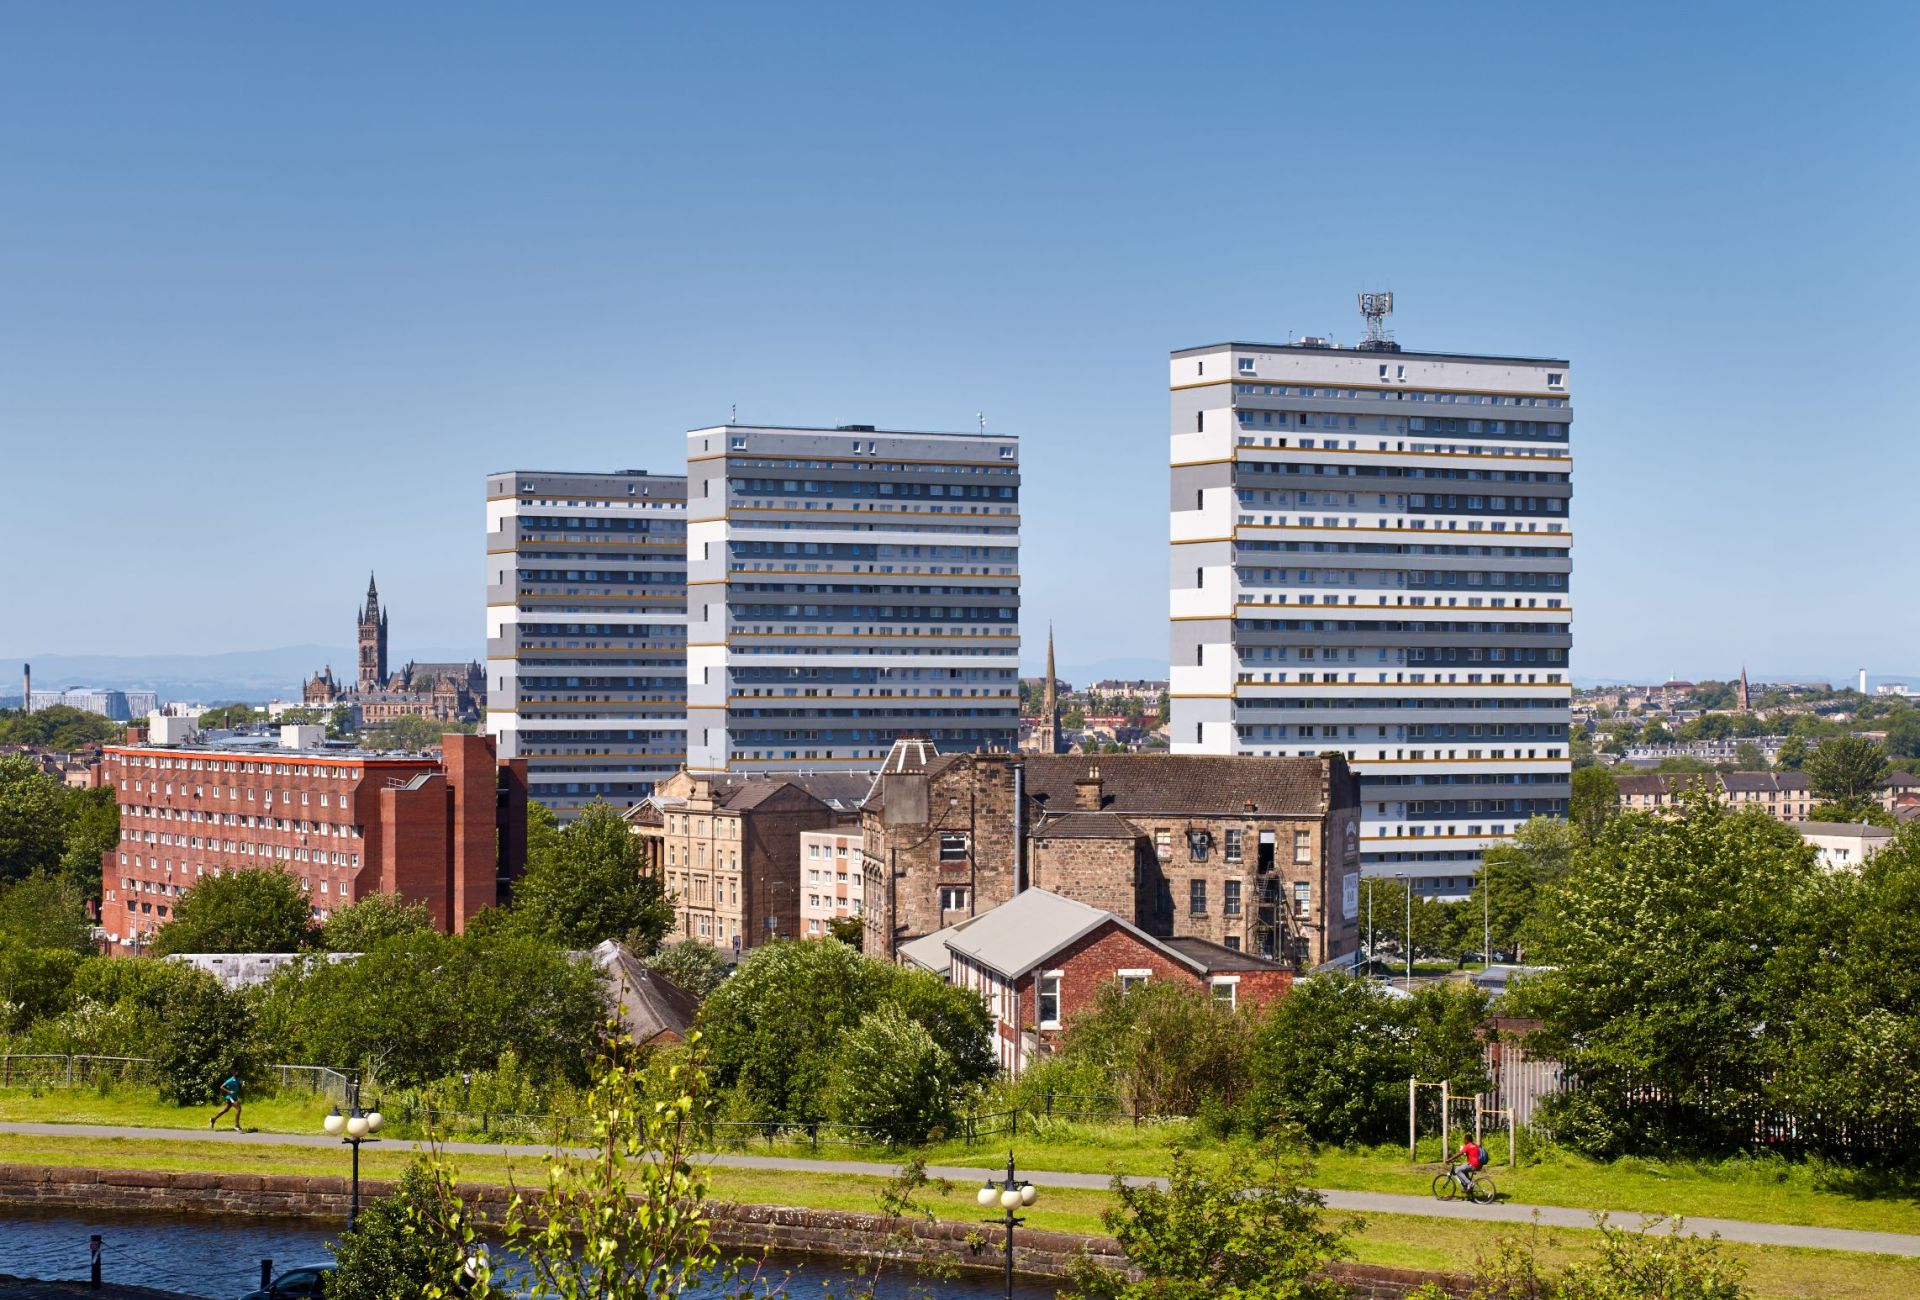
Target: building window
1302	898
1224	991
953	846
953	898
1230	900
1232	853
1133	979
1049	1000
1246	365
1163	844
1197	897
1233	943
1303	846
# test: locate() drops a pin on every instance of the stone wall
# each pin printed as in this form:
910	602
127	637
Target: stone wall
1037	1253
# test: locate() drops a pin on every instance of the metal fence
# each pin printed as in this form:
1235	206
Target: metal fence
321	1080
52	1070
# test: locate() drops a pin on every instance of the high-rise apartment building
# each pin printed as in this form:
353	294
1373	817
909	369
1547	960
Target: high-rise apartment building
1371	554
586	631
847	586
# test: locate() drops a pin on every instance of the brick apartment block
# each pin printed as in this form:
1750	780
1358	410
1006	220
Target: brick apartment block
345	822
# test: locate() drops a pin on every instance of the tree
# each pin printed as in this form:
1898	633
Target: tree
45	912
1437	926
408	732
1793	753
891	1078
1335	1054
1595	798
1847	770
228	716
205	1032
32	827
422	1005
1851	967
92	829
61	729
628	1219
850	930
377	917
1251	1231
1903	734
1662	937
778	1059
1749	757
239	911
399	1244
585	885
1862	810
692	965
1162	1049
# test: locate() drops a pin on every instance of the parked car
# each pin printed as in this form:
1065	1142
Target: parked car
294	1284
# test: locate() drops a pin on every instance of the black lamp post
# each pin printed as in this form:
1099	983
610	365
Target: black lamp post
358	1126
1014	1193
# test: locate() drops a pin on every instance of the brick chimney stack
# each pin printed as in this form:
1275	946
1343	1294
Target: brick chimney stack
1086	790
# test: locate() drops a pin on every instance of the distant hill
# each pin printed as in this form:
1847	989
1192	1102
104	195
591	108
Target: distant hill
241	675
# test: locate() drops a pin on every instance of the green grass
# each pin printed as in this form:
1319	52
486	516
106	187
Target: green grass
1761	1189
1407	1241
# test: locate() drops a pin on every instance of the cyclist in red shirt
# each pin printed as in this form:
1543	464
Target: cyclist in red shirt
1472	1157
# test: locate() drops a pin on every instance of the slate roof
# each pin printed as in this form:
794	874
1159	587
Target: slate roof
1086	826
651	1006
1172	784
1865	830
1028	929
841	791
1217	958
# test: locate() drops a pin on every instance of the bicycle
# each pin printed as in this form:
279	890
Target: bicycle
1479	1187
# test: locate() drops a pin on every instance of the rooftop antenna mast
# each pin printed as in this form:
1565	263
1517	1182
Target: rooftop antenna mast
1374	309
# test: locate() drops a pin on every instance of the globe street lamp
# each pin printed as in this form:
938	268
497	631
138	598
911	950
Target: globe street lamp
1011	1195
353	1128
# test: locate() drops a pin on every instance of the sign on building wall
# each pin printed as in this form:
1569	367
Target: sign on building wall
1350	896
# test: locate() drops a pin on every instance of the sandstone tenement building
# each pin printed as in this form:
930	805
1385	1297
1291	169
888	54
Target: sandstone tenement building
1258	855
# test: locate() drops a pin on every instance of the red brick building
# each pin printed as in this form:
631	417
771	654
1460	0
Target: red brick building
1040	959
346	823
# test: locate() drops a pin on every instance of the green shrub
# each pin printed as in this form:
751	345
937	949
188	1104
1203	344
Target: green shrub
891	1077
205	1032
393	1251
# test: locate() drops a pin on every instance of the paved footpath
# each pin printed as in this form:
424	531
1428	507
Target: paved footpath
1740	1230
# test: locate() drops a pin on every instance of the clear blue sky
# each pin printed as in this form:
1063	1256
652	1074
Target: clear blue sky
279	284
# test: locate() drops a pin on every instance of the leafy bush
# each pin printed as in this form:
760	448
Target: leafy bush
1251	1230
422	1006
776	1026
362	925
1335	1054
205	1030
890	1076
692	965
1160	1050
396	1248
1626	1266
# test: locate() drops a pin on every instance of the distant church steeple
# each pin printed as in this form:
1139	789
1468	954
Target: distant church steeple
1046	739
373	641
1745	700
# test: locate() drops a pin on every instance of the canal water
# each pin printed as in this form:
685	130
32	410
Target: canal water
219	1259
